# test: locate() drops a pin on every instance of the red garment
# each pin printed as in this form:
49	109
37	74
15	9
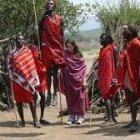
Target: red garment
21	95
106	71
52	49
131	64
41	69
23	74
22	63
120	70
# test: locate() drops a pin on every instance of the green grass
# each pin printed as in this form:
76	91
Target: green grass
90	53
91	34
85	35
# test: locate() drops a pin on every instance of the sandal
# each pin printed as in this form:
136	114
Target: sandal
44	122
37	125
21	124
127	126
133	128
108	123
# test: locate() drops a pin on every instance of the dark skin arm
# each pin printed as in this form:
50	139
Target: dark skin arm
115	53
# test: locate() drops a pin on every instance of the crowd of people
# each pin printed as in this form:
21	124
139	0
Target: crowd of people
32	71
120	69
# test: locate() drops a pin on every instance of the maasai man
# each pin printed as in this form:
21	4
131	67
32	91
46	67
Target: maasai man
41	70
73	75
24	79
130	64
106	71
51	28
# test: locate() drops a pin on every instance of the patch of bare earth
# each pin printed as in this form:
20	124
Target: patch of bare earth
57	131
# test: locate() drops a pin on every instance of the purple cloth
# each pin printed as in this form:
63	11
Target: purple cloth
72	79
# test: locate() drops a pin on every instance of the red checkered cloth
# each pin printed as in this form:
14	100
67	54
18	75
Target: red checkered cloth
23	70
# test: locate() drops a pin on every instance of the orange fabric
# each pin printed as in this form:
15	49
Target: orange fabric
52	49
106	71
131	63
41	69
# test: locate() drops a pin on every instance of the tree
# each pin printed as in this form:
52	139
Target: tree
113	16
16	16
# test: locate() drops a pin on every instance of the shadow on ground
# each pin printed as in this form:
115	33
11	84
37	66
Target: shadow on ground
116	130
8	124
14	124
21	134
94	119
87	123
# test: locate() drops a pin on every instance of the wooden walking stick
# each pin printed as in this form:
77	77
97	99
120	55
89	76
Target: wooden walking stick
92	92
91	81
60	97
14	109
37	31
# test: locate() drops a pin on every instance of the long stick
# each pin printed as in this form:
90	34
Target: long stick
14	104
92	92
59	88
36	26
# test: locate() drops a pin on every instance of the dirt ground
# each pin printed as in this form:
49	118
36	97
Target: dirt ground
57	131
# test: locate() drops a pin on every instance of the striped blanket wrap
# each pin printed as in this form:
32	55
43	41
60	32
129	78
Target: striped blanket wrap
22	69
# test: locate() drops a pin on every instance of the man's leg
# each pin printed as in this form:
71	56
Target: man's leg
20	111
110	120
113	109
34	115
42	107
133	110
109	110
49	96
134	125
55	84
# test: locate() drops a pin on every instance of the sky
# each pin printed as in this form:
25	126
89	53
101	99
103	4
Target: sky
91	23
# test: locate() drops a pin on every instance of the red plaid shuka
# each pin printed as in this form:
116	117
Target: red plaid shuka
23	70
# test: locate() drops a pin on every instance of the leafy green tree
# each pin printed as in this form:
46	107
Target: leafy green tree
18	15
113	16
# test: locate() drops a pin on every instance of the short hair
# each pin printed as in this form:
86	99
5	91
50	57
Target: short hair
106	38
18	35
53	1
131	30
